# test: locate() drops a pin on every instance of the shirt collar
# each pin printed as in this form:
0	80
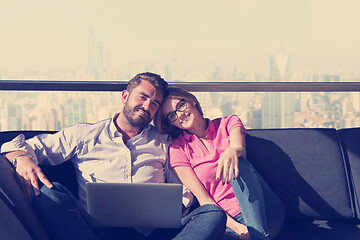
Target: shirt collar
188	136
115	133
211	127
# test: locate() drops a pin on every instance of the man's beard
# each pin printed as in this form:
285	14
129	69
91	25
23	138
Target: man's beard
140	121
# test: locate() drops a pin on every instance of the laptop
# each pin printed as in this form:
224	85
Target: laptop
153	205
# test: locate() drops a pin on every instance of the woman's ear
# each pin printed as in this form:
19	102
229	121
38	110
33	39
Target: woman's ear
198	107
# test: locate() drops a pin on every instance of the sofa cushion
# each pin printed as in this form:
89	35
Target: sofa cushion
305	168
319	230
350	139
10	225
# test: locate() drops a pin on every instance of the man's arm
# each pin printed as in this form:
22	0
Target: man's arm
50	149
28	172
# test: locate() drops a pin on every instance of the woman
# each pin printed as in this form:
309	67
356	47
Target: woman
201	149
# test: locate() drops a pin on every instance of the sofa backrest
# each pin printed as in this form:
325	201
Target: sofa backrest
350	139
306	169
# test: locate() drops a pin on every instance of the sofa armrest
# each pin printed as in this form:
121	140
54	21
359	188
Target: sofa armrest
10	186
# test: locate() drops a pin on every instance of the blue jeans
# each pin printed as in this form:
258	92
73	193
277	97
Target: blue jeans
59	212
261	210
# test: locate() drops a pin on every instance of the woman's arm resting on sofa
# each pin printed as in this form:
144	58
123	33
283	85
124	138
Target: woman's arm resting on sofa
228	163
28	172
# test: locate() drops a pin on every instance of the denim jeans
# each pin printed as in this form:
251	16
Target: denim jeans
62	218
261	210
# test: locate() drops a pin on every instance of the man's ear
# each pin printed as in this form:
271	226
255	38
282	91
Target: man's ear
125	95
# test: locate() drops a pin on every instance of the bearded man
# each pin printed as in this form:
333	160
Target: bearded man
111	150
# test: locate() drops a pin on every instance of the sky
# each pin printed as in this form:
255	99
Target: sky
49	35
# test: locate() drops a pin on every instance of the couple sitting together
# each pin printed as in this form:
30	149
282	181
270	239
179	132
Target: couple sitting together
207	156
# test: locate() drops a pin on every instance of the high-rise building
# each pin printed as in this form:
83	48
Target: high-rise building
255	118
278	108
330	78
91	54
75	111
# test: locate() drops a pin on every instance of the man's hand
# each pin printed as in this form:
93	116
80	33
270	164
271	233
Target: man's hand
29	174
228	166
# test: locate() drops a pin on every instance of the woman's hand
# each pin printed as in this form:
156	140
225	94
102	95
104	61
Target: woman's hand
228	166
228	163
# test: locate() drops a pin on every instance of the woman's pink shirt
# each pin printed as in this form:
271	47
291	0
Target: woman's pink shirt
188	150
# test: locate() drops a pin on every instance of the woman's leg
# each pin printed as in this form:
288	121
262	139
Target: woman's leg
261	209
207	222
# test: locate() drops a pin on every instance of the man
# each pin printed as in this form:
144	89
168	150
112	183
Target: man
108	151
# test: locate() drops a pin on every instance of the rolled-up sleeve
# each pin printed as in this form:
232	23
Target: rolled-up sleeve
50	149
19	144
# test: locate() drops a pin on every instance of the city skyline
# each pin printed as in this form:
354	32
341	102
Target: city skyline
56	110
47	36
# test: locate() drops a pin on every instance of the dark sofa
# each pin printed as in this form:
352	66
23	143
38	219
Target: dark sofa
315	172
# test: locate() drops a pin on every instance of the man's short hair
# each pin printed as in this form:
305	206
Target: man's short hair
154	79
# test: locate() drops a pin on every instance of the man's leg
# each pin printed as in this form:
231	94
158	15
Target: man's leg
203	223
104	233
207	222
58	210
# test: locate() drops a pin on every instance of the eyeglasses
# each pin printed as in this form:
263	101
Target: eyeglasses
180	107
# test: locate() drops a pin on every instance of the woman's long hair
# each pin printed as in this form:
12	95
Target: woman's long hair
160	121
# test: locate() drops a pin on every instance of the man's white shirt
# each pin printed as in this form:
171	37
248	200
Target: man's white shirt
99	154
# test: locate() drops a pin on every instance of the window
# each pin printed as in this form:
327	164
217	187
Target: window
184	41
